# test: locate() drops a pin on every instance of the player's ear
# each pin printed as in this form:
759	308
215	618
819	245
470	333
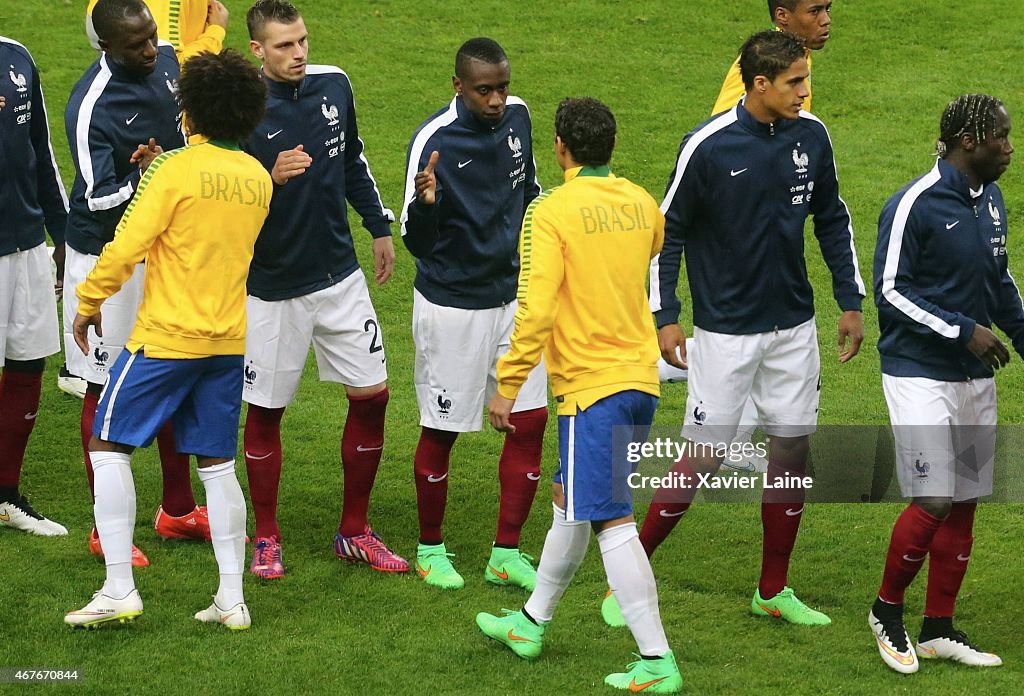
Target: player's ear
256	48
761	83
967	142
457	84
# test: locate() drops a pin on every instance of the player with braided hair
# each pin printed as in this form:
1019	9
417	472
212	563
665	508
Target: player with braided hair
941	281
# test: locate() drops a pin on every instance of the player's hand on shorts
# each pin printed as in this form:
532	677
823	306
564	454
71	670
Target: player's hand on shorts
59	254
851	326
289	164
383	259
217	14
426	181
498	413
672	342
988	348
80	329
145	154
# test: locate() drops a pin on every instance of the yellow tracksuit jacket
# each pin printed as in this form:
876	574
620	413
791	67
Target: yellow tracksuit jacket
194	219
585	251
183	24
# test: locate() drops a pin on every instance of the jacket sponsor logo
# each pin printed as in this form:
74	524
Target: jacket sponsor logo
330	113
737	172
19	81
335	145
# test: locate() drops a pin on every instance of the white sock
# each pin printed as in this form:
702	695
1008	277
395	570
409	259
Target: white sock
632	581
226	507
564	549
114	508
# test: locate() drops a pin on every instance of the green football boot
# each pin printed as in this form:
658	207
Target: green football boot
785	605
434	566
659	676
522	636
510	567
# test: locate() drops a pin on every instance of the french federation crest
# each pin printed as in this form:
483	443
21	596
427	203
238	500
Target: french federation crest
330	113
801	160
516	146
18	80
994	212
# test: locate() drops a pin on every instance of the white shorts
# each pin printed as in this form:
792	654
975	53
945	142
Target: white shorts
945	434
341	324
457	353
28	306
118	315
779	370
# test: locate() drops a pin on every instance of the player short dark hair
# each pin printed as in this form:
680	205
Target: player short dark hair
774	5
968	113
108	15
769	53
223	95
481	48
587	127
264	11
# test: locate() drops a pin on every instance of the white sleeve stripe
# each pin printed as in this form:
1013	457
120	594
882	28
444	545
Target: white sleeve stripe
892	260
113	200
83	124
727	118
420	142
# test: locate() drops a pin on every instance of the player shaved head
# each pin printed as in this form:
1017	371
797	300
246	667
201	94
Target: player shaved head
223	95
587	128
769	54
109	15
774	5
482	49
127	33
265	11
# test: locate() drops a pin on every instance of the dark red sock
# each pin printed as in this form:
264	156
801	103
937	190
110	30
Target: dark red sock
948	557
668	506
519	474
19	406
362	444
431	472
263	455
178	499
912	536
89	402
781	512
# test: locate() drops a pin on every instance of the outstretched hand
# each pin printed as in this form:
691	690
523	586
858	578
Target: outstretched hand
290	164
426	181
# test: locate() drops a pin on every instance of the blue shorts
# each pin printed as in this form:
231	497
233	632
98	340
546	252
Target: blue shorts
202	397
592	465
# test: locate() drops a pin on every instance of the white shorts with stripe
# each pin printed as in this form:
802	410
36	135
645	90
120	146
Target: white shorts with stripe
28	306
341	324
457	353
779	370
945	435
118	316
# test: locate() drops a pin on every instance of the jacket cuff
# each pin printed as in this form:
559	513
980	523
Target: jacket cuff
380	229
508	391
966	325
664	317
850	303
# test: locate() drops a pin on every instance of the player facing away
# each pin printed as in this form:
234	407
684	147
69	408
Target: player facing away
811	20
585	248
470	176
745	181
942	280
195	220
125	99
32	202
305	285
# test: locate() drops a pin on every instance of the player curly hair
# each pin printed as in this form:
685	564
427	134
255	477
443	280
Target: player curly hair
108	15
481	48
973	114
587	127
223	95
769	53
265	11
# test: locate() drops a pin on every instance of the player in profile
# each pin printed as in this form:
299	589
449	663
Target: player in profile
942	280
33	202
753	309
306	286
470	176
585	249
811	20
119	116
195	220
191	26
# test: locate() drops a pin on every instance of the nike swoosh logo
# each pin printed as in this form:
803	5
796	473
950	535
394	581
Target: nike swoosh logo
737	172
794	513
774	612
533	477
423	573
5	517
360	448
31	416
513	636
271	136
463	164
666	513
952	225
637	688
128	121
962	558
908	559
436	479
503	574
249	455
902	659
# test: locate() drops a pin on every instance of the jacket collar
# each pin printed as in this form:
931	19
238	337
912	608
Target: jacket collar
957	180
766	130
467	119
285	90
603	172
